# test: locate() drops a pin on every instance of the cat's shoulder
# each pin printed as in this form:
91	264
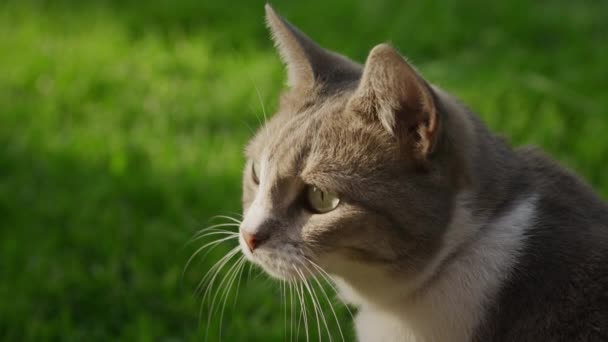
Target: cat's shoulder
557	183
558	290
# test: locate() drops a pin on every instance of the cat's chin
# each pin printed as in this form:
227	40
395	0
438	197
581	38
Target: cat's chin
279	267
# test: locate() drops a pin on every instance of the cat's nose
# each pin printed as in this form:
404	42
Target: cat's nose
253	241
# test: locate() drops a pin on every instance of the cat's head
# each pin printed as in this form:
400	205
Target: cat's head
356	172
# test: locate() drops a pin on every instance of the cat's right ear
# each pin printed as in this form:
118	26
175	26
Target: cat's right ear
392	92
308	64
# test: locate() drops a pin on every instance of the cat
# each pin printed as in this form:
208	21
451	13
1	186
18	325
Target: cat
433	227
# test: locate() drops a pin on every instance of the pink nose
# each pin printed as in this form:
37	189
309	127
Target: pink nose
252	240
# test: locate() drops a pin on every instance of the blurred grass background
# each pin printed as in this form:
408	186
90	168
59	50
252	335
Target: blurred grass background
122	125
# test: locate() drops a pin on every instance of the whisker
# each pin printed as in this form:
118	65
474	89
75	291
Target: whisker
262	125
300	291
238	284
219	234
291	309
227	217
257	90
325	276
216	267
257	116
236	213
215	242
314	302
225	224
249	272
208	290
328	301
296	312
214	232
215	270
283	285
299	313
207	229
247	125
227	276
214	246
304	308
235	274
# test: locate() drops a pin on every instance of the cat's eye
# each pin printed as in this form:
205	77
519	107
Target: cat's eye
321	201
254	172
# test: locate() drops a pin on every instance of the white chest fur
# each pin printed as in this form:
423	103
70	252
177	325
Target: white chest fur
452	304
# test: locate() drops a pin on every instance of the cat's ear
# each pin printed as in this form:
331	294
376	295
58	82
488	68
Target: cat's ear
393	92
307	63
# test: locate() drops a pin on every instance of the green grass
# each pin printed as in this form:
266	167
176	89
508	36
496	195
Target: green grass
122	125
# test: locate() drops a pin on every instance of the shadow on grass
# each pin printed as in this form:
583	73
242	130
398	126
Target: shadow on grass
89	254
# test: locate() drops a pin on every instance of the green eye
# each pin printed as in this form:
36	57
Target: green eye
254	172
321	201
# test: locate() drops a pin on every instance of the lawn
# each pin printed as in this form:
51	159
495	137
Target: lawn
122	125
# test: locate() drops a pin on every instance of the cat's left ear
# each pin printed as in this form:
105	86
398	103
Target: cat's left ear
394	93
308	64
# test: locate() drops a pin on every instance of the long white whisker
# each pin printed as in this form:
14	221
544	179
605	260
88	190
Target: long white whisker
299	313
215	232
215	245
206	229
257	116
291	309
235	274
301	317
225	278
331	306
212	273
215	242
305	308
314	302
300	291
208	281
259	95
223	224
227	217
325	276
260	99
248	127
222	305
226	281
215	270
262	127
312	275
236	214
238	284
283	285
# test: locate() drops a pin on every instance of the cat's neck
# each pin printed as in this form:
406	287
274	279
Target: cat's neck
455	287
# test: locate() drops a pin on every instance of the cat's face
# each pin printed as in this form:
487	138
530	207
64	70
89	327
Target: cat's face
349	174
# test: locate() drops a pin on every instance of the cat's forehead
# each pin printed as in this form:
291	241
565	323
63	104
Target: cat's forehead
321	139
291	132
288	138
